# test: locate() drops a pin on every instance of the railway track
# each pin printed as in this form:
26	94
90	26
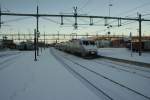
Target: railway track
82	77
98	74
112	65
127	66
6	55
5	63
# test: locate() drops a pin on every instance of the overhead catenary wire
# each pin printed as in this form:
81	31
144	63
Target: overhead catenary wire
82	16
50	20
86	3
130	10
135	8
67	19
123	24
75	15
17	19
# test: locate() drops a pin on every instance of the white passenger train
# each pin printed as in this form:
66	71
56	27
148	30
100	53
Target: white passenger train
84	47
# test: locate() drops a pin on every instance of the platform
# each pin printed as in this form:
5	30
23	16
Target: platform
46	79
123	54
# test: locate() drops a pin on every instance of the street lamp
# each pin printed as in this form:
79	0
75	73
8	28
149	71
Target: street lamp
109	26
110	5
131	42
38	35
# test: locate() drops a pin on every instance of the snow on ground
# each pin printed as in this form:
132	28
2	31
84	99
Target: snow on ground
21	78
8	52
7	57
128	79
46	79
124	53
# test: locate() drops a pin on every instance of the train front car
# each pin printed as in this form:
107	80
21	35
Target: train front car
89	48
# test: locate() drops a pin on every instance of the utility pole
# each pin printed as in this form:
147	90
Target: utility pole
110	4
19	36
91	21
75	16
87	35
35	45
109	26
62	23
131	42
96	35
24	37
0	17
140	44
37	29
58	36
44	41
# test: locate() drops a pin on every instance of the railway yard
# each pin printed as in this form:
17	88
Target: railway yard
59	75
74	50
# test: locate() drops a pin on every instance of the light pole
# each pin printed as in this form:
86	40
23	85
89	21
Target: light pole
109	5
131	45
131	42
58	36
1	16
109	26
35	45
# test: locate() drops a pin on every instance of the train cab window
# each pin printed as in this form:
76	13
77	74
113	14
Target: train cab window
85	42
92	42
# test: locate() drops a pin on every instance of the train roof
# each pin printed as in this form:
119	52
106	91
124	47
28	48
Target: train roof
82	39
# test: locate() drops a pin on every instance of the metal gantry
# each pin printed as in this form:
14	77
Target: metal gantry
75	15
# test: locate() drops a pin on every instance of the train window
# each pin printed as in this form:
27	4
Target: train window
85	43
92	42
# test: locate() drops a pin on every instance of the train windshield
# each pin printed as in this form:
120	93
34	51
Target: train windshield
88	43
92	42
85	43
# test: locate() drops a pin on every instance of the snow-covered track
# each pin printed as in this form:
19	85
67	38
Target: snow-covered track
100	75
138	63
108	78
81	76
113	65
127	66
7	55
8	60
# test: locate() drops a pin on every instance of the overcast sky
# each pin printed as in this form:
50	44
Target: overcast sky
121	8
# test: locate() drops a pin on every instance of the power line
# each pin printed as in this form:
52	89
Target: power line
50	20
123	24
130	10
15	20
143	5
86	3
68	20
